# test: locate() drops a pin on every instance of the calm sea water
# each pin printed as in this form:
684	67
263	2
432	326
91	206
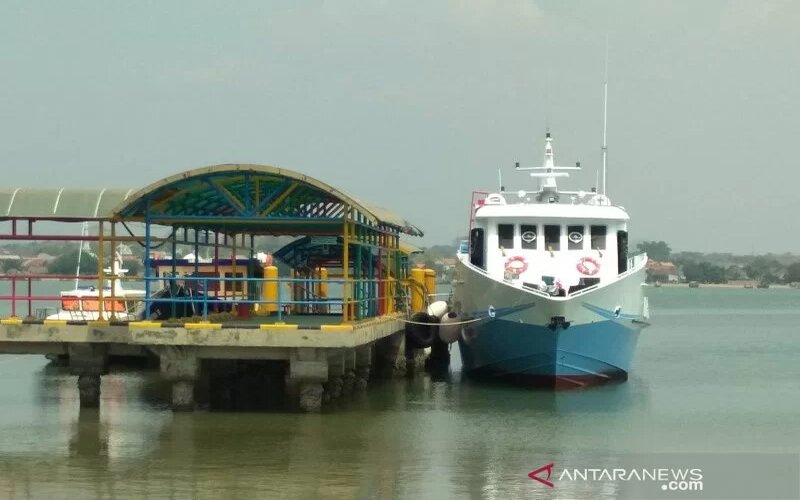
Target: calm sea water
717	371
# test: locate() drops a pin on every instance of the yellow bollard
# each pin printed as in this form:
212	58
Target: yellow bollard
417	293
430	285
391	286
271	289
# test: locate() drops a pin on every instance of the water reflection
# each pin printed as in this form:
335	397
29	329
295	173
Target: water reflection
441	437
89	437
425	437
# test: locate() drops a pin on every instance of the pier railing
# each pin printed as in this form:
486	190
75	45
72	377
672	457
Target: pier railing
184	297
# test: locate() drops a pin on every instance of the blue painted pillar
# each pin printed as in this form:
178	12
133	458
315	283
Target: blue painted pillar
173	282
197	253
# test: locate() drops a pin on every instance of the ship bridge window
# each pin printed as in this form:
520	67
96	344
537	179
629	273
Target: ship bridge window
528	237
575	237
552	238
598	237
505	235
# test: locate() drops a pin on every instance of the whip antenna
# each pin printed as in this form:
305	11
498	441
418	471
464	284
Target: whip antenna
605	120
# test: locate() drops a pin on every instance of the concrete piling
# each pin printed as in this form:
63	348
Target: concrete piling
389	356
220	366
363	366
308	369
88	362
349	376
89	390
179	365
182	395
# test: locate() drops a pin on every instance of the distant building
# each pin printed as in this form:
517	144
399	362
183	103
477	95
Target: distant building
9	262
38	264
664	272
449	262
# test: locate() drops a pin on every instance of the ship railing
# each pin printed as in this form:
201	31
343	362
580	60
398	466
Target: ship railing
483	272
586	290
635	263
536	291
352	298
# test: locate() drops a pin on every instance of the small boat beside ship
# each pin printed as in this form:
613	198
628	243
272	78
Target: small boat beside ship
82	303
545	287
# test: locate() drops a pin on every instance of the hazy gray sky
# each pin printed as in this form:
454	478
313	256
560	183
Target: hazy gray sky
412	105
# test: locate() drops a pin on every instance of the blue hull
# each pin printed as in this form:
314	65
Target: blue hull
557	357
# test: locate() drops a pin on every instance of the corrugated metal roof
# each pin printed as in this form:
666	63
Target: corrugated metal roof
60	203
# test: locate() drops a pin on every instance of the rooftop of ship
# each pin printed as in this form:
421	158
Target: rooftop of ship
548	201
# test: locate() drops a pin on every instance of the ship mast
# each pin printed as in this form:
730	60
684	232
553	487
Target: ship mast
605	120
548	188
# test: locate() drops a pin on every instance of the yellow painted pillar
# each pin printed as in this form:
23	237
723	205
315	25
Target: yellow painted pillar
113	308
417	291
322	288
271	289
430	284
390	305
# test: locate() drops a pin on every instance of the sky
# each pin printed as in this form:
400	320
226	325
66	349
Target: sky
413	105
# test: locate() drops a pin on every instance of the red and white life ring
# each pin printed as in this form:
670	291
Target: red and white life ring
516	264
588	266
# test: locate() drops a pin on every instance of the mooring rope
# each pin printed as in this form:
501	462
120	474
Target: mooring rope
465	322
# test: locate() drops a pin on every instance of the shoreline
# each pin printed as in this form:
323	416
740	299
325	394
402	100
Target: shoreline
717	285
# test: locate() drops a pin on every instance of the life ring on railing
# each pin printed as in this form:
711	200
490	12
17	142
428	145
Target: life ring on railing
516	264
588	266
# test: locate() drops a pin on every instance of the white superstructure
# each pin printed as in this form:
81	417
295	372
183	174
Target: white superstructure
548	238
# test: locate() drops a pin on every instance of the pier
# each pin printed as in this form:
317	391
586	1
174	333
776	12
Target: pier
325	311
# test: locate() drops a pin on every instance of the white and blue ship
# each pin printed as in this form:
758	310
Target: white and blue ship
545	288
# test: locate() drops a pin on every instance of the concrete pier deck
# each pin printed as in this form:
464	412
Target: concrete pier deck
316	356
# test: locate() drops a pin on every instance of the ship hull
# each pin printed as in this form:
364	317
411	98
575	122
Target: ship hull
554	342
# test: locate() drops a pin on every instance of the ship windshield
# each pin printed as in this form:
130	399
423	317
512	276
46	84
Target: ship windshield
598	237
552	238
505	235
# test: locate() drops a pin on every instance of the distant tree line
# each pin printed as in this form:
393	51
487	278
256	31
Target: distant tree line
66	258
724	267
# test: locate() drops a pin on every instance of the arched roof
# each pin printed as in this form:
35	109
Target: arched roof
252	198
60	204
313	251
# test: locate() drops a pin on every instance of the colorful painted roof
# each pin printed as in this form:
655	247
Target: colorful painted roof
253	198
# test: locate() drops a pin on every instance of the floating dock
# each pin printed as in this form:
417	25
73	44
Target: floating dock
328	310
